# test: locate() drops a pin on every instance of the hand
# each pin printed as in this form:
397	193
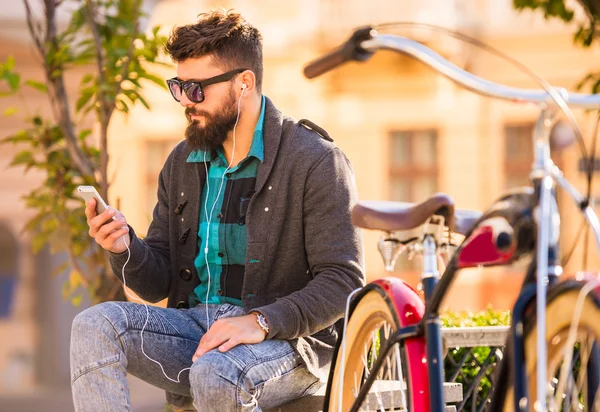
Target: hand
229	332
111	234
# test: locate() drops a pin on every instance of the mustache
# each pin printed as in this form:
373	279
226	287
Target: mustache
192	111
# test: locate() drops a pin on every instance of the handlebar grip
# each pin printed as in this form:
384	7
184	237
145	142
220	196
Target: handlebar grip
325	63
350	50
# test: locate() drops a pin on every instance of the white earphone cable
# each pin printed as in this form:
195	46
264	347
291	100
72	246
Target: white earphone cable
209	215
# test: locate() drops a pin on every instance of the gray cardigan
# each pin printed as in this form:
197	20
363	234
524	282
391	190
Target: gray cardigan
304	255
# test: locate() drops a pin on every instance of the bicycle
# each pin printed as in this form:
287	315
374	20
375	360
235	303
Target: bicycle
392	344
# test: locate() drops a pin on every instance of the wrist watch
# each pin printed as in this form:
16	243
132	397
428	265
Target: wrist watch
262	321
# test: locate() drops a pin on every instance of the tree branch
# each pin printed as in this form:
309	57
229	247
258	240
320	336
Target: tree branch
59	98
587	11
35	34
103	104
77	267
107	108
129	56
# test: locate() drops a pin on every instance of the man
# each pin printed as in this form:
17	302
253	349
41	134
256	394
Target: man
251	241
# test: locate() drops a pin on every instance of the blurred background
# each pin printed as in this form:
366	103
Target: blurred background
408	132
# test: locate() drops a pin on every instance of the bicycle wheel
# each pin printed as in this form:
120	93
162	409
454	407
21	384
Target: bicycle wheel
577	389
402	382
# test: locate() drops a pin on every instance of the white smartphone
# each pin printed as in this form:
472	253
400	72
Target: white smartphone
90	192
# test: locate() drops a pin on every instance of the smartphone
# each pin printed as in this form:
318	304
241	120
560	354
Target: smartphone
90	192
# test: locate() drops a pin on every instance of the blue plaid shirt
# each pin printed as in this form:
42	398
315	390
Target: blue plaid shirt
225	200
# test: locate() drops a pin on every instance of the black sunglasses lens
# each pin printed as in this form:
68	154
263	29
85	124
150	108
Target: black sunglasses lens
175	89
194	93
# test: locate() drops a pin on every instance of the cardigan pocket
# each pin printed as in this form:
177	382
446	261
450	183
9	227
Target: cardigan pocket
253	276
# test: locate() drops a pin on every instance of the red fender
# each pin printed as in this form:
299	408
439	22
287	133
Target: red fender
410	309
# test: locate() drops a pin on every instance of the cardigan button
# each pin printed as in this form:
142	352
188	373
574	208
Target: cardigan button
182	304
185	274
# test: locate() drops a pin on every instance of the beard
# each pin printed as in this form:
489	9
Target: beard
217	125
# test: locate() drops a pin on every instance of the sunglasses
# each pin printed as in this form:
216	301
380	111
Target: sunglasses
194	89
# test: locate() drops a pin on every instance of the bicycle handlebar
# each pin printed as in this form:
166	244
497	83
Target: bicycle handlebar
365	41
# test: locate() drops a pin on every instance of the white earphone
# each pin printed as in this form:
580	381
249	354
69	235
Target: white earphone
244	86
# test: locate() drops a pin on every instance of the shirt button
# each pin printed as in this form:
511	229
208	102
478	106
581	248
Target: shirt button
220	254
266	209
270	187
220	292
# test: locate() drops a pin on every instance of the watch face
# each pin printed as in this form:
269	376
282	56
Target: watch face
262	322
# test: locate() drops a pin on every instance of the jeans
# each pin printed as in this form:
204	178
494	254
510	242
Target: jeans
106	345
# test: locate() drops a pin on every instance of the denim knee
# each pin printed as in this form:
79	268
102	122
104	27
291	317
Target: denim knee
100	322
94	340
218	384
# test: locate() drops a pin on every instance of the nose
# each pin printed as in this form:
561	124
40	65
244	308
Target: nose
185	102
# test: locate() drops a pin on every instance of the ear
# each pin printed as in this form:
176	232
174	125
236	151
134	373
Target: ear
249	79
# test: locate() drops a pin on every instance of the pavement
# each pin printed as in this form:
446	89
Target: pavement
144	398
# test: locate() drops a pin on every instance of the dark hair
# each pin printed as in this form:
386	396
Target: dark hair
227	36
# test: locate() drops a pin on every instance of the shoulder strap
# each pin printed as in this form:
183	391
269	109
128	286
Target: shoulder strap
311	126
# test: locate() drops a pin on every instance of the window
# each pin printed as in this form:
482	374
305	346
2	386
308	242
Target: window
8	269
413	176
518	154
413	165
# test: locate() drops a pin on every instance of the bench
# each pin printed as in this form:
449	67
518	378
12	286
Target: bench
314	403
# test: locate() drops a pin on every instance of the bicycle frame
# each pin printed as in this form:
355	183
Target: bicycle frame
545	175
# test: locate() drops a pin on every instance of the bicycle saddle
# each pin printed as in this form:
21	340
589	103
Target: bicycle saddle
395	216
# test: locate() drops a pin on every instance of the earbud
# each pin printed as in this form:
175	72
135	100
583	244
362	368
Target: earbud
244	86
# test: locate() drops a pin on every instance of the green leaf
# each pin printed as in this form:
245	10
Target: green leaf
76	300
84	99
87	78
13	80
39	86
134	95
122	106
84	133
75	279
10	111
10	63
38	242
23	157
154	79
20	136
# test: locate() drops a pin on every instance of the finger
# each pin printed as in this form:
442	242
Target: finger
208	346
102	218
106	229
231	343
119	215
103	232
111	239
117	234
90	209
